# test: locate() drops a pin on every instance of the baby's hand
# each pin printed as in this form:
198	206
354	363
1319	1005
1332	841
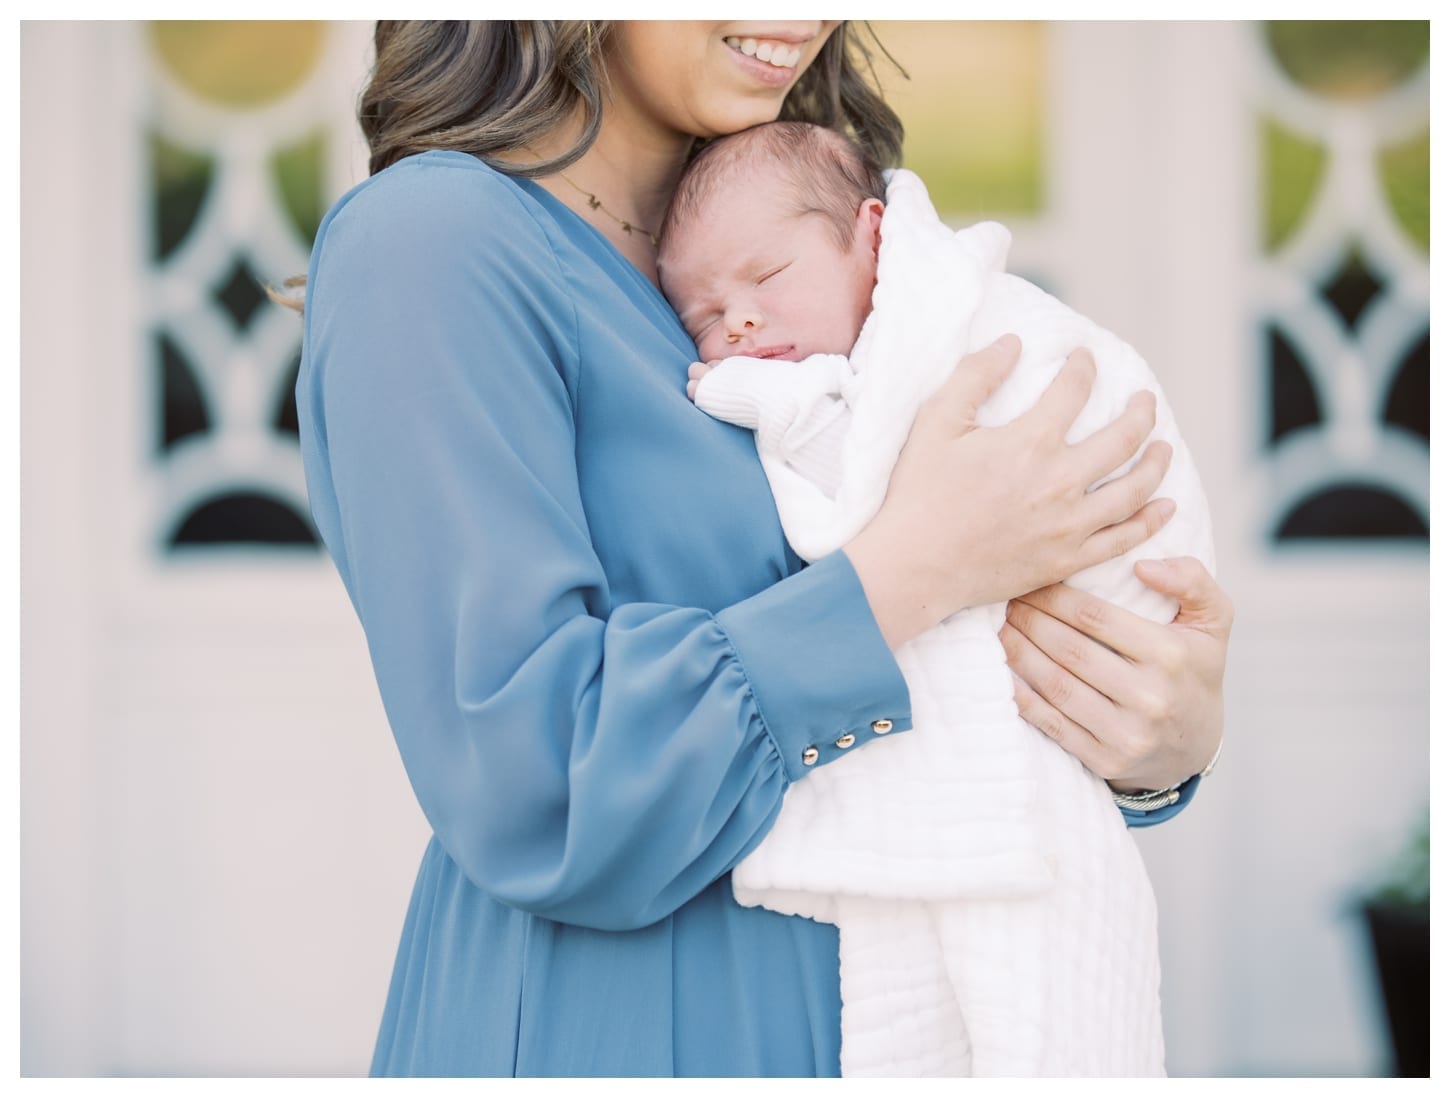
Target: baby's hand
698	371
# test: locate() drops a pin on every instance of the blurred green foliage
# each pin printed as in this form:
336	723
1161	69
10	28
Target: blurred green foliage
974	107
1408	881
239	63
1405	173
1293	167
1345	60
1349	59
298	171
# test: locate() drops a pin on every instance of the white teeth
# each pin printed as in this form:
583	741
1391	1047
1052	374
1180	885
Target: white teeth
779	54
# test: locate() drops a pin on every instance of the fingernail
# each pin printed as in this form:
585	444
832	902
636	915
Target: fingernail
1005	341
1153	569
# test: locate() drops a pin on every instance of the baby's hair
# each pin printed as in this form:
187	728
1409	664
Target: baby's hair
829	174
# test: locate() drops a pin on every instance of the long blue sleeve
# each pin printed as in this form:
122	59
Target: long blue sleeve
582	753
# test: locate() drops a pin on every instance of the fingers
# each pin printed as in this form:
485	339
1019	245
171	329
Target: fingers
1078	652
1048	697
1072	737
1066	709
1128	659
1114	541
1066	396
1122	497
1202	603
1109	447
1120	630
695	373
975	379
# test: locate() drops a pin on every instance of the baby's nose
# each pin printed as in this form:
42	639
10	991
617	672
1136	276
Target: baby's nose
742	322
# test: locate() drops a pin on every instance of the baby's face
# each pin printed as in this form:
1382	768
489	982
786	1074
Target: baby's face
750	276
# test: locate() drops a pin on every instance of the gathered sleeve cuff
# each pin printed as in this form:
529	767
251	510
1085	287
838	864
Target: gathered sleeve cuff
856	692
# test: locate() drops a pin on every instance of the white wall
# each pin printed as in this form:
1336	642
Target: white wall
217	836
1324	769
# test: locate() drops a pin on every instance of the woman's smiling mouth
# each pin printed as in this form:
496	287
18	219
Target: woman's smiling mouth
783	55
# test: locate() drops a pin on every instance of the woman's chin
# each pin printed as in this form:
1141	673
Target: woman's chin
742	116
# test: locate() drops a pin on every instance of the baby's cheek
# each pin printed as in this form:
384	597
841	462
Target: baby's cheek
710	349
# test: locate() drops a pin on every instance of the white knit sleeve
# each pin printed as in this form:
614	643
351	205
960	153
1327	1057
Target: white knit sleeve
795	408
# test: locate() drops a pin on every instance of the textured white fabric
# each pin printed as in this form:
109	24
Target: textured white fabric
995	915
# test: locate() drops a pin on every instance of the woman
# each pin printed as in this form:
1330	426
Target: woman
601	662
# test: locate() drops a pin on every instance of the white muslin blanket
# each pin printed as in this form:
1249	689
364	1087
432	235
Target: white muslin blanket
995	915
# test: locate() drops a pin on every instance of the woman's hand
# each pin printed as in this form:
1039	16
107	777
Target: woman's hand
1140	704
977	515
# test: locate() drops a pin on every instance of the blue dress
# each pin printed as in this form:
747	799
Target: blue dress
601	661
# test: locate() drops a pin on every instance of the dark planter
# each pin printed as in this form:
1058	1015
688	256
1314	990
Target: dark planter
1401	936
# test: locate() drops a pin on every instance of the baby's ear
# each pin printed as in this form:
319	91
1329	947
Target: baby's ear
868	220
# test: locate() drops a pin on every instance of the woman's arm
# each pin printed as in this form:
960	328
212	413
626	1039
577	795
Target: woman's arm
1140	704
591	762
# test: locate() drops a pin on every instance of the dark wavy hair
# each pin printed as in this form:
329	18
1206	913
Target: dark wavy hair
490	86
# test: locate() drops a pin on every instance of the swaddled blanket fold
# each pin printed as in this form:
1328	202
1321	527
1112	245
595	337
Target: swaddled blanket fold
995	916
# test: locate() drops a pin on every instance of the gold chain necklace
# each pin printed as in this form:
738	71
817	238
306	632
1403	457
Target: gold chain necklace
595	204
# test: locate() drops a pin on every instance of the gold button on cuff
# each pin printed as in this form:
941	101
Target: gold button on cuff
881	727
809	756
846	741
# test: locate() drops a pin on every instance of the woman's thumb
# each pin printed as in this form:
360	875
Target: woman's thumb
1201	602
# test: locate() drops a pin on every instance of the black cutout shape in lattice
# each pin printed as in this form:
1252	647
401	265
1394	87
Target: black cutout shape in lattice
240	294
1408	401
284	417
1352	288
1356	511
1293	402
244	518
183	408
298	171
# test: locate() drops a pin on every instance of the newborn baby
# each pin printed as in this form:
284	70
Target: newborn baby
995	916
769	251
